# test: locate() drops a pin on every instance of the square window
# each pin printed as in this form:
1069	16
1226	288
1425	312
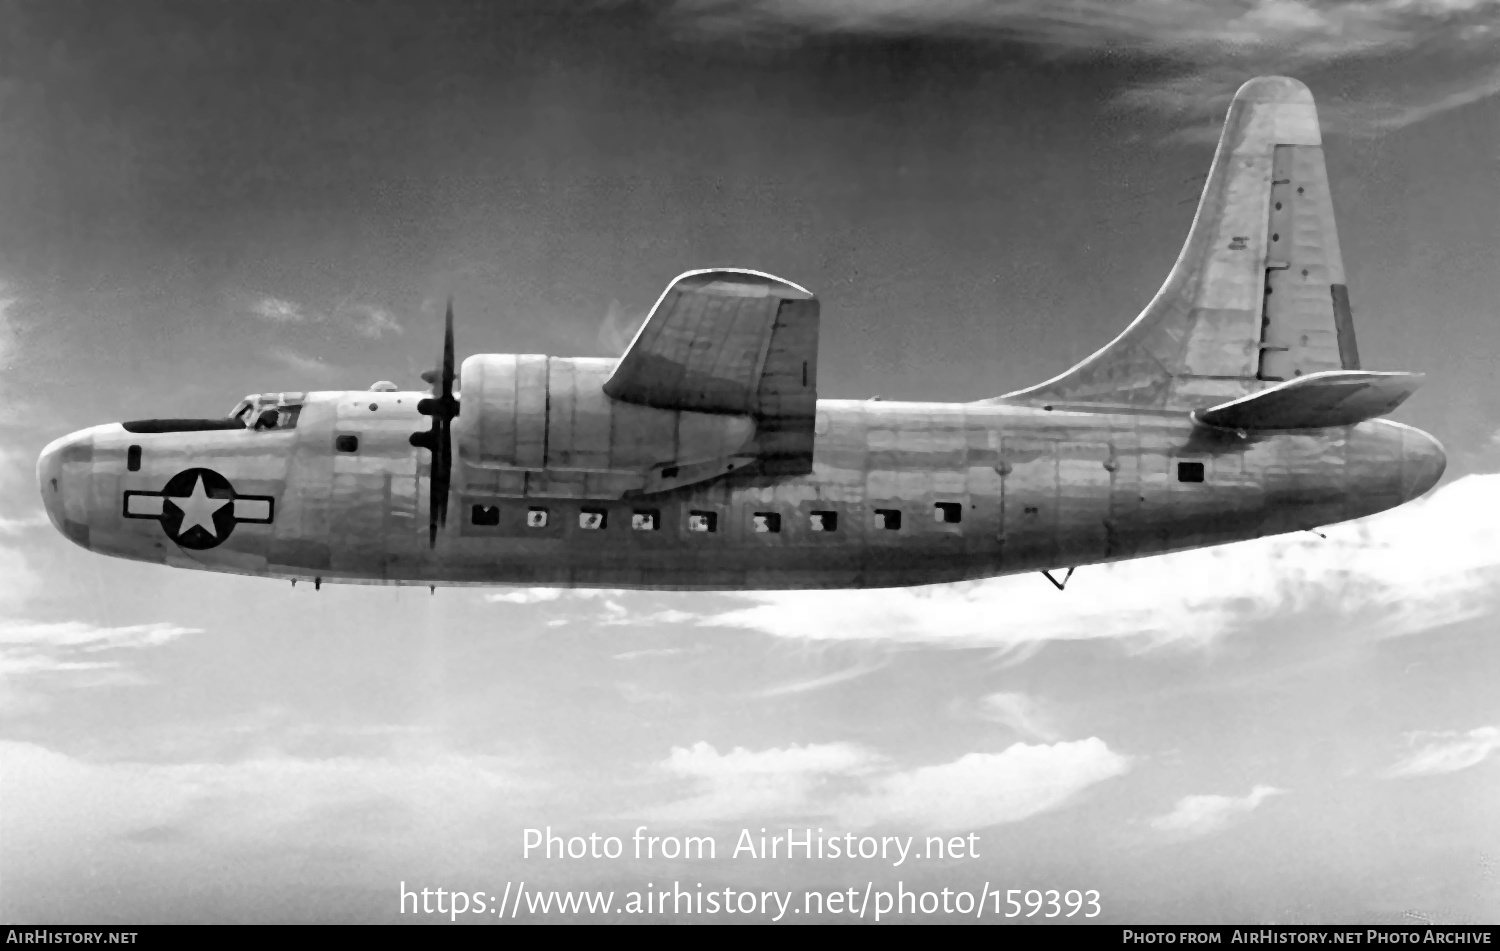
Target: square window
1189	472
133	458
485	515
346	443
889	519
703	521
592	519
536	518
823	521
645	520
766	522
949	512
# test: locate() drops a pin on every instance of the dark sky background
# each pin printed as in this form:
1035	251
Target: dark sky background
202	200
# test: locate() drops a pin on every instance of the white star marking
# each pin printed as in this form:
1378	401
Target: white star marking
198	509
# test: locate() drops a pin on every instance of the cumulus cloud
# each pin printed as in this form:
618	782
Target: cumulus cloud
322	818
1424	565
535	595
1214	45
985	789
857	787
1447	752
794	780
525	595
1202	815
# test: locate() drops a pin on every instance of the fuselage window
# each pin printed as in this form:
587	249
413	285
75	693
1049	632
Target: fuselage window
950	512
348	443
889	519
823	521
536	518
1189	472
592	519
133	458
485	515
645	520
703	521
766	522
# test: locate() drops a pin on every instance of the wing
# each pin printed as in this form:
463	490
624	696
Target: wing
731	341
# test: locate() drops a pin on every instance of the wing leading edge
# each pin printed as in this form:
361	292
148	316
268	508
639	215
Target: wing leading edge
731	341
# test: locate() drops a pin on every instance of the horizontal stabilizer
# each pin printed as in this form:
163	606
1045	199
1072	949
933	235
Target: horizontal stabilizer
1315	401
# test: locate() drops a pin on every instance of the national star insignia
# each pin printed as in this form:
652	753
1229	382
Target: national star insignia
198	509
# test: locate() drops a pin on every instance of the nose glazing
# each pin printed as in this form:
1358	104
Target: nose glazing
1422	463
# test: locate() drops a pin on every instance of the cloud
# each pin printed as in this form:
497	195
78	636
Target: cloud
857	787
325	819
73	653
1426	564
985	789
278	311
1201	815
525	596
618	328
1211	46
833	679
365	319
1019	712
15	526
1447	752
777	782
7	331
301	363
91	637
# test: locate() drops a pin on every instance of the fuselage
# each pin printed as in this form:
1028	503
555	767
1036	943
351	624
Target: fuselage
899	494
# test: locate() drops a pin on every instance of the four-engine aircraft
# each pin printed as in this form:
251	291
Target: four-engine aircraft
1233	407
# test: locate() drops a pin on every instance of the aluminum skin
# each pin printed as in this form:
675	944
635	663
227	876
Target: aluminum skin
1233	407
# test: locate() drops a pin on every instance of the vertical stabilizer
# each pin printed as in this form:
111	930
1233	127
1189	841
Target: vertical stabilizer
1257	295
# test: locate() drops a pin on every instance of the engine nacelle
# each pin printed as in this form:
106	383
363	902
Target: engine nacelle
533	425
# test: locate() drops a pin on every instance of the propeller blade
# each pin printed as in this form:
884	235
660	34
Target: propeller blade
442	407
448	356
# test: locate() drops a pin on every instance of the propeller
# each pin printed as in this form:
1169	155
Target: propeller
442	407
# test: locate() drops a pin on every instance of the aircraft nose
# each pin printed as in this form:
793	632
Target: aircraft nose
63	473
1422	463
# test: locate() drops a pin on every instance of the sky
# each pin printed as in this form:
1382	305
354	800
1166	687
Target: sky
203	200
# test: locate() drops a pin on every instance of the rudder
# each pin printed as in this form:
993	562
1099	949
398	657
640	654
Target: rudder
1257	295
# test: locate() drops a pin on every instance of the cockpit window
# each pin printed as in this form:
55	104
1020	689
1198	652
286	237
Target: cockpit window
269	411
241	411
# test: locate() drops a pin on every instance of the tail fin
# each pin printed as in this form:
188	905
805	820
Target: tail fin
1257	295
